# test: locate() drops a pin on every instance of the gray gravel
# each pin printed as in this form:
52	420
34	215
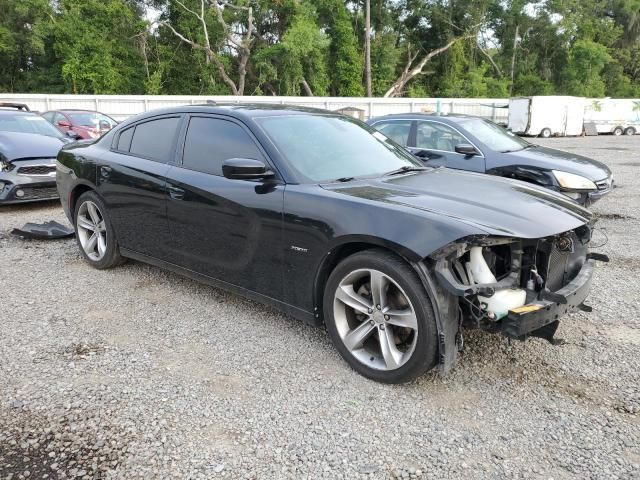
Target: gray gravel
138	373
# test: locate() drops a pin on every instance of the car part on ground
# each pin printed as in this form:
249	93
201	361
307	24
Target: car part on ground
475	144
243	197
50	230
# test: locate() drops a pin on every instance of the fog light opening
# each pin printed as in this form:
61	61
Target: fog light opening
19	193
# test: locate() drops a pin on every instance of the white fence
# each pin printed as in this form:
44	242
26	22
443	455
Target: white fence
123	106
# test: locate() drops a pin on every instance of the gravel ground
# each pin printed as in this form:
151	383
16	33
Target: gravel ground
138	373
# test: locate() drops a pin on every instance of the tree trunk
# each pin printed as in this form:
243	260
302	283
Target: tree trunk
367	46
306	87
513	59
410	71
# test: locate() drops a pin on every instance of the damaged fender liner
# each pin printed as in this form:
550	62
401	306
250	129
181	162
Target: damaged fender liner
538	314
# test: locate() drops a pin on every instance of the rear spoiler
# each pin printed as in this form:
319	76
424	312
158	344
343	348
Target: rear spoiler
20	106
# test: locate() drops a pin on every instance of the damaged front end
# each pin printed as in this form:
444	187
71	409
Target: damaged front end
518	287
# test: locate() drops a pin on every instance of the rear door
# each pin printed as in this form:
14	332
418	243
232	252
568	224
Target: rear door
435	144
230	230
131	180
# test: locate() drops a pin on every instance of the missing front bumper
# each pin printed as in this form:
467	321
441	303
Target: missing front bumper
531	319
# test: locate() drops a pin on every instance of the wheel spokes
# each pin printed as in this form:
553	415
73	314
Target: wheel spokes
102	245
91	243
93	213
402	318
84	222
379	284
349	297
390	353
356	337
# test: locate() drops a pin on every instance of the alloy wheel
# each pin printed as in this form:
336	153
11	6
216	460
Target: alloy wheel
375	319
92	231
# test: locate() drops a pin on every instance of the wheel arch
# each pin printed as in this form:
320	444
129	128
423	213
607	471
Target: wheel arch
345	248
74	195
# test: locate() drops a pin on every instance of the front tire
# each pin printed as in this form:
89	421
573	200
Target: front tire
94	234
380	317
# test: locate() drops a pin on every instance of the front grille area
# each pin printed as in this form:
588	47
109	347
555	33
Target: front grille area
36	170
36	193
604	184
560	267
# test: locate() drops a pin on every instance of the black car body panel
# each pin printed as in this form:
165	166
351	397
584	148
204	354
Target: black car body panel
532	164
276	239
28	167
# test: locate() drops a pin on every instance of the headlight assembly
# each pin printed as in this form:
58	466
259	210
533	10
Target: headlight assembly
573	181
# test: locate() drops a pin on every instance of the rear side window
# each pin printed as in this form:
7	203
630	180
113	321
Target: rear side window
124	141
398	131
154	139
211	141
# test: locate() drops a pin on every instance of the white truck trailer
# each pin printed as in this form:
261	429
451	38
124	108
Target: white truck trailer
547	116
616	116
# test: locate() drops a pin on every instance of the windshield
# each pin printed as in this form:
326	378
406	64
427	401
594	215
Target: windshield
91	119
493	136
326	148
26	123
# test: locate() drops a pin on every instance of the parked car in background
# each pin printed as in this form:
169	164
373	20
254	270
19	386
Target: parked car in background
83	124
28	149
479	145
325	218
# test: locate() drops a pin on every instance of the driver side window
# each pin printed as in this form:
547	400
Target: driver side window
437	136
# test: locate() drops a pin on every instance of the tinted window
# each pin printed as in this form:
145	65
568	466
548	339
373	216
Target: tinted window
325	147
58	117
437	136
396	131
210	141
496	137
124	141
154	139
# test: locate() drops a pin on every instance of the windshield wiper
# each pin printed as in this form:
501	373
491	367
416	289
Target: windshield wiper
343	179
406	168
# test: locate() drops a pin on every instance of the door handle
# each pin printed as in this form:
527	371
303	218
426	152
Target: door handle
105	171
176	193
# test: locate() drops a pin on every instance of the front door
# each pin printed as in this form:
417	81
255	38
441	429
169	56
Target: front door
230	230
435	144
131	180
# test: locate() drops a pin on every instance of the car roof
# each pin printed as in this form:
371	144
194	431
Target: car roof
446	118
7	111
239	110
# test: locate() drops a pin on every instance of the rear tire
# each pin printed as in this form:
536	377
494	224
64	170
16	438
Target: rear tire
545	133
629	131
617	131
94	233
386	332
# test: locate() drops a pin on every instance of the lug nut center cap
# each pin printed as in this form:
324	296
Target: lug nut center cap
378	317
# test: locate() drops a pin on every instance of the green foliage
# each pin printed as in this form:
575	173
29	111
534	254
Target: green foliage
317	46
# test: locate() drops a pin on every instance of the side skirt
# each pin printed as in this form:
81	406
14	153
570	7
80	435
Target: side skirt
307	317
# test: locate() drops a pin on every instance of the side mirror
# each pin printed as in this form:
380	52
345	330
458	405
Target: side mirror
466	149
104	125
245	169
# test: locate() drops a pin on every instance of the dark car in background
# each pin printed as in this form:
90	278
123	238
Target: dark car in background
28	149
317	214
80	124
479	145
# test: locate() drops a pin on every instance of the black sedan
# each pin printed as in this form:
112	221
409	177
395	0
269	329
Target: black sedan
319	215
478	145
28	149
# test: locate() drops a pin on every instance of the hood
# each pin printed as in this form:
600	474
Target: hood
552	159
496	206
14	145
